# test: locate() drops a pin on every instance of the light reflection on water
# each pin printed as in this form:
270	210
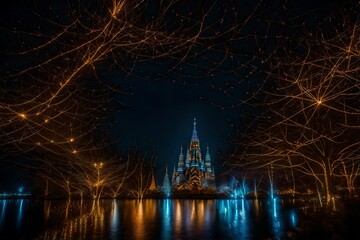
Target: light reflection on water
3	212
234	214
276	221
114	220
20	213
146	219
166	219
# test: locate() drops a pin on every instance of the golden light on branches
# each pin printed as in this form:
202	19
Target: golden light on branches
56	92
311	110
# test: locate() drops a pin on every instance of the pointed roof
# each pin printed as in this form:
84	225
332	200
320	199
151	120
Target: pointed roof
153	183
181	156
194	137
207	156
181	160
166	183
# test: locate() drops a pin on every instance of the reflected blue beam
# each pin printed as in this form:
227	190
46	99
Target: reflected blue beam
3	211
244	228
233	214
166	218
293	218
274	207
243	207
20	214
277	231
115	220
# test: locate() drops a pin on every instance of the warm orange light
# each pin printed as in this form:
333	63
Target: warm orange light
74	151
98	165
22	115
71	139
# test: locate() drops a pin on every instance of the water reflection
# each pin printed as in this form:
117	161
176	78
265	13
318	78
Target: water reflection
147	219
114	220
234	214
138	216
20	213
276	219
166	219
3	211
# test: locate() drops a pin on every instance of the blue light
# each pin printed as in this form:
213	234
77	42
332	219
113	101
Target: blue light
275	212
233	215
20	214
167	220
114	220
20	189
3	210
293	218
276	220
243	208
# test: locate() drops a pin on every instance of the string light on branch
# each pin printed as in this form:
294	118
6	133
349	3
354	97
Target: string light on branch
22	115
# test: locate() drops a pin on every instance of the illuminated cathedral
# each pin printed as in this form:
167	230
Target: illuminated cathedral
193	171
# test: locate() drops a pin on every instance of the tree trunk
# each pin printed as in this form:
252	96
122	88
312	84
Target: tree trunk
328	187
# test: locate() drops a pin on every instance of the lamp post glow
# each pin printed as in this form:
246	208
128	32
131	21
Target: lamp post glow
98	166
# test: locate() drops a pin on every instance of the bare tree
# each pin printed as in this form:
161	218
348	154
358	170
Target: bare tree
310	109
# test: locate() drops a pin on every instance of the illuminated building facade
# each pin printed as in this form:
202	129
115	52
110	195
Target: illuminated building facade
193	171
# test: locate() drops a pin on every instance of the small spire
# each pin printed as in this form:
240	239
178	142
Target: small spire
207	156
166	184
208	159
181	161
153	183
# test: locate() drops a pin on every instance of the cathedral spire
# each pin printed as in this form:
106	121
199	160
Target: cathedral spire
194	138
181	160
207	156
208	160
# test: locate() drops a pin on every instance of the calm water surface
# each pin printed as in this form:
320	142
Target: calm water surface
147	219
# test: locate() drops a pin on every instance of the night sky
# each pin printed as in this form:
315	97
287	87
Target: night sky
160	110
162	118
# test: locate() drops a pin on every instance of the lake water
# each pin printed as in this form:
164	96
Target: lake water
147	219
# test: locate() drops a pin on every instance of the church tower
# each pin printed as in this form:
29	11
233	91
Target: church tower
195	173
